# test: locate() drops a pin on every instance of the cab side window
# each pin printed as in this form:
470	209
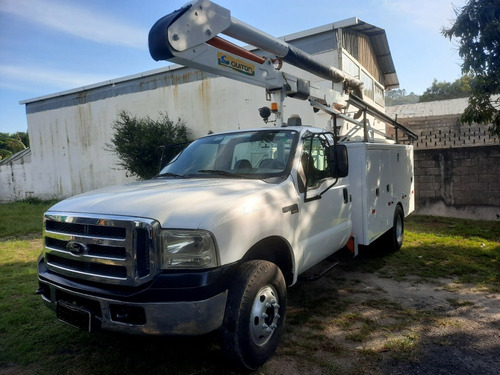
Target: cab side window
315	161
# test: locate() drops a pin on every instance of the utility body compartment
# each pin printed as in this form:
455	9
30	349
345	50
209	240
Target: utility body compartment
380	177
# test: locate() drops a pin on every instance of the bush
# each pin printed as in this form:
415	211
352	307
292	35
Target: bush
137	141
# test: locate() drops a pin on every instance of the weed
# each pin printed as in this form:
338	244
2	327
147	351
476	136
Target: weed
459	302
402	344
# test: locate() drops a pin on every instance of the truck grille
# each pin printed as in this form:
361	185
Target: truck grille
104	249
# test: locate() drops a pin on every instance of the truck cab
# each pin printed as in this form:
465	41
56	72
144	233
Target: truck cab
124	258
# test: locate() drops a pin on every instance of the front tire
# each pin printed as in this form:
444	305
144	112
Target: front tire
255	314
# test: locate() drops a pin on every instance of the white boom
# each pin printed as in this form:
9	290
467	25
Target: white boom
189	36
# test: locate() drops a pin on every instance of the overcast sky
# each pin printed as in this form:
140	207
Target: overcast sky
49	46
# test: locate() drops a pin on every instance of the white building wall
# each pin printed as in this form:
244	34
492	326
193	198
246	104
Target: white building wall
69	143
16	178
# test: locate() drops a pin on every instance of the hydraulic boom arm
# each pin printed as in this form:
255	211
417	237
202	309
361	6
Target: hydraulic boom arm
189	36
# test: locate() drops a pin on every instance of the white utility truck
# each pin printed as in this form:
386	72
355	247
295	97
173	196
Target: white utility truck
214	240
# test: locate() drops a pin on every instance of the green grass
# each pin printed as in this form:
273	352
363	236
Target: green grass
22	217
438	247
32	341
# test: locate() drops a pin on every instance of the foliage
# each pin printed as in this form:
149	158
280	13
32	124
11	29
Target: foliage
446	90
12	143
461	88
399	96
137	142
477	28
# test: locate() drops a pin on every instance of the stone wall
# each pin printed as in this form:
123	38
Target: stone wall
459	182
457	166
446	131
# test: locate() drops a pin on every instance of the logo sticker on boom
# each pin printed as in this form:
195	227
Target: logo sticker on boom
232	62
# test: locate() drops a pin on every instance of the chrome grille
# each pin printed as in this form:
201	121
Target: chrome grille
87	229
105	249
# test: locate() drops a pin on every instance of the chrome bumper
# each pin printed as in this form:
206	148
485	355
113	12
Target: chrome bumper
169	318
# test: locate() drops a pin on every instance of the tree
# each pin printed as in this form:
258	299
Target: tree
12	143
137	141
477	28
446	90
399	96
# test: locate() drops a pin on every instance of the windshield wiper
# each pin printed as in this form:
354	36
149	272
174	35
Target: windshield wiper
168	174
222	173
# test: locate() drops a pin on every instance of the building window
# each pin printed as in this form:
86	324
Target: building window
379	95
368	85
372	90
350	66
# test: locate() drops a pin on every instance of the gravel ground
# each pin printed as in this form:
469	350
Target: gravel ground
384	326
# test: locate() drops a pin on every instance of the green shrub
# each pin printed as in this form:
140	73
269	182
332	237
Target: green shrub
137	142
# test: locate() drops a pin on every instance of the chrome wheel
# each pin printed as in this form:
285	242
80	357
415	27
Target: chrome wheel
255	313
264	316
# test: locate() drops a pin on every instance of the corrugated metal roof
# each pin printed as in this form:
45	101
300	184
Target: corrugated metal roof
17	156
427	109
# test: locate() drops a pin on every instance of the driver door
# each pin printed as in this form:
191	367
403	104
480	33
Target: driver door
325	207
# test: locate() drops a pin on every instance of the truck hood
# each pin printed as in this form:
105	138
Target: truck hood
173	202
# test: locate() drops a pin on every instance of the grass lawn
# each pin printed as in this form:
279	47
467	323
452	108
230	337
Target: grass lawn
32	341
22	218
437	247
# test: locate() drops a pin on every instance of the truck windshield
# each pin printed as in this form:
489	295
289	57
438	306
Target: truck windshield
254	154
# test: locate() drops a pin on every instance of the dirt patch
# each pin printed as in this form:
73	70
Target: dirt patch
351	322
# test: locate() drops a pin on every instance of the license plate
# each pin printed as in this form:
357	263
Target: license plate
74	315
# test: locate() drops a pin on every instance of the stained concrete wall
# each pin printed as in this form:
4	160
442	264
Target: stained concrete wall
15	177
69	130
69	141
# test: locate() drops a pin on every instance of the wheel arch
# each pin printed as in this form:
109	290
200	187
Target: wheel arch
276	250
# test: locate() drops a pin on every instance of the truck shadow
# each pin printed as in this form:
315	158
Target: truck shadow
308	302
116	353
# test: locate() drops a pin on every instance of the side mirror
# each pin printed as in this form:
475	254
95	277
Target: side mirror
339	163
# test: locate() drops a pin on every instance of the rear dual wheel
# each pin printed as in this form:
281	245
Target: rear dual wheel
393	238
255	314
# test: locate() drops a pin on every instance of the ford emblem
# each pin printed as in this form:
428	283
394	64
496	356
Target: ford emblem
77	248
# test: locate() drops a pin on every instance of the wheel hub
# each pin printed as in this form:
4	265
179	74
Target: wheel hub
264	316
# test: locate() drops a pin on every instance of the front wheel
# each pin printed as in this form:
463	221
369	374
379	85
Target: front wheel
255	313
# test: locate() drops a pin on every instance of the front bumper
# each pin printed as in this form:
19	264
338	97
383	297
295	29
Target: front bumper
173	304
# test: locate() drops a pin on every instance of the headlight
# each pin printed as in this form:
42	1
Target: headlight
188	249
